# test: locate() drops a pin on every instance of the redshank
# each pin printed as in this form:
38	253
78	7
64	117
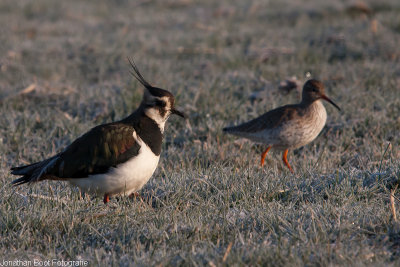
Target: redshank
290	126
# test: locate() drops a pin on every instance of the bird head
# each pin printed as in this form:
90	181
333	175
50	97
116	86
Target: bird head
158	104
314	90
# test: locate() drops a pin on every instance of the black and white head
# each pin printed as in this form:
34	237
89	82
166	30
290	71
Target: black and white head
158	104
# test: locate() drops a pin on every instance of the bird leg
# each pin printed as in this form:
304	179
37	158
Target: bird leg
143	200
106	198
263	155
284	158
134	195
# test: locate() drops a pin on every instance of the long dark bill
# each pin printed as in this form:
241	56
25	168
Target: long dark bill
177	112
324	97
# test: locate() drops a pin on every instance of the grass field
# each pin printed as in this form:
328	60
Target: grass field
64	69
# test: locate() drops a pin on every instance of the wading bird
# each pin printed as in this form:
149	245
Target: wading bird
116	158
290	126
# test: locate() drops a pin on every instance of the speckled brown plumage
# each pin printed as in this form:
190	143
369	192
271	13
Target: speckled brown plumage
290	126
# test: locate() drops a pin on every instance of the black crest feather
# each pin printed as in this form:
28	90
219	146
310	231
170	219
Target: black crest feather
136	73
153	90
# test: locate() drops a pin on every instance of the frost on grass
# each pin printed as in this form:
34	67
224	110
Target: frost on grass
64	70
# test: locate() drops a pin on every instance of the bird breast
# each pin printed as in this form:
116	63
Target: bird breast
298	131
305	128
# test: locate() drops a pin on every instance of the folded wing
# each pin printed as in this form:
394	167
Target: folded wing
95	152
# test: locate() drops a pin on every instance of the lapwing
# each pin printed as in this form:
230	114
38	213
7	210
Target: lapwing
290	126
116	158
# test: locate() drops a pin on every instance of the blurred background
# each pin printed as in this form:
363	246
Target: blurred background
64	69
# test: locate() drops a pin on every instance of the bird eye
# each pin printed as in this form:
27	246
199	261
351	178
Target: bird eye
160	103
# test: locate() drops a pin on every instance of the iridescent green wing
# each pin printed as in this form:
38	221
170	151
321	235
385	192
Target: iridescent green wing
98	150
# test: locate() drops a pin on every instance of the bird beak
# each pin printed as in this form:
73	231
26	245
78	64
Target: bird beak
324	97
177	112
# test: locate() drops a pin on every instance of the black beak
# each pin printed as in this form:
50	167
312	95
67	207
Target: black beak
177	112
324	97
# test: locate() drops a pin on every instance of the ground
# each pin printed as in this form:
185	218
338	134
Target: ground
64	69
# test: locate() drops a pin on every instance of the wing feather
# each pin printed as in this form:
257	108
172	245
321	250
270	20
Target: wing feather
101	148
271	119
95	152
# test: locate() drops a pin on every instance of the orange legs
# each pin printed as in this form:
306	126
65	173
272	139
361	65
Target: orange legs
106	198
284	158
263	155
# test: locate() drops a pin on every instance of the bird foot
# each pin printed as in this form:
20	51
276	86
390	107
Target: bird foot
134	195
106	198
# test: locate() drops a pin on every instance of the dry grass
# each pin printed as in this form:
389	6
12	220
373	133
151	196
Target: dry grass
63	69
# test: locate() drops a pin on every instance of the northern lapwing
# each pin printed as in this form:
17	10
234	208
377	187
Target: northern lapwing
290	126
116	158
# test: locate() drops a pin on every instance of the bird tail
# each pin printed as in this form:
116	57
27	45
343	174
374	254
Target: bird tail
228	129
33	172
24	179
26	172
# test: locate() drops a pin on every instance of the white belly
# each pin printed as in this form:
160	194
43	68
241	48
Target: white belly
127	178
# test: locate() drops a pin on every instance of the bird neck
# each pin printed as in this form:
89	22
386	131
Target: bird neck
315	108
307	101
146	128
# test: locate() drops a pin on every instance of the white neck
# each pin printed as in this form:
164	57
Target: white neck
155	116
